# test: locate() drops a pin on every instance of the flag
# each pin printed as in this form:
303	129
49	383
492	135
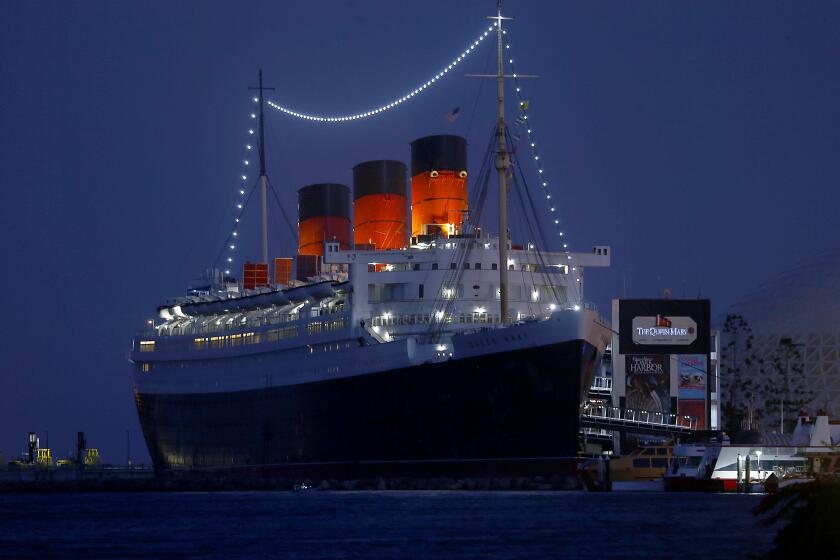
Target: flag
520	120
662	321
452	115
515	137
523	105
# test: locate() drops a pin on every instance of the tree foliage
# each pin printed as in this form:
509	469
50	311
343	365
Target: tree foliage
785	391
755	389
738	368
811	513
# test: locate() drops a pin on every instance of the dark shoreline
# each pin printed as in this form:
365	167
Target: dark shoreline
232	484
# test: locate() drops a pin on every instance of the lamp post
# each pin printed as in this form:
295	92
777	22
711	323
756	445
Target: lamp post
758	462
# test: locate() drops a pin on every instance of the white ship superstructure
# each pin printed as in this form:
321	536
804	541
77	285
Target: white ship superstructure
419	297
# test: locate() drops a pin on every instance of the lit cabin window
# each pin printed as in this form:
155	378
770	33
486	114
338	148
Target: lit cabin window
147	345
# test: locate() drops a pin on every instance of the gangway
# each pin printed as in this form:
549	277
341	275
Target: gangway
637	421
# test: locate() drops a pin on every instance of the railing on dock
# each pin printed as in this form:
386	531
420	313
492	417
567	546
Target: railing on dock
639	421
596	434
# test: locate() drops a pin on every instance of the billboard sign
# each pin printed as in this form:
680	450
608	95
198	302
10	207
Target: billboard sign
664	326
691	371
664	330
648	379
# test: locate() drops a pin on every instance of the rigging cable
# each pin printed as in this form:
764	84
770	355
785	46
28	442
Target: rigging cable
463	246
523	120
232	246
396	102
292	228
478	95
539	231
246	162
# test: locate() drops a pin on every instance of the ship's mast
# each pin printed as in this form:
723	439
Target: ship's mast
263	178
263	189
502	164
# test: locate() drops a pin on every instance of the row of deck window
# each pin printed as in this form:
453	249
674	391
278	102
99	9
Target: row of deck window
402	267
244	339
425	319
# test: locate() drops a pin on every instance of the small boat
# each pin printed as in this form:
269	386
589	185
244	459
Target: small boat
770	462
647	462
691	468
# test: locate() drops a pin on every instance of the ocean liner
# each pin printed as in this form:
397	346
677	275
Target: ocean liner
410	340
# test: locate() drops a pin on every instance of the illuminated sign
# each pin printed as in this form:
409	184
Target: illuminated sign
663	326
692	376
648	379
660	329
645	364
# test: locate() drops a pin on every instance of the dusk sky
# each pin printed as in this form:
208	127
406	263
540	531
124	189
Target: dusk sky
699	140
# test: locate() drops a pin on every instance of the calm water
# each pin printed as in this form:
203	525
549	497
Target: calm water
381	525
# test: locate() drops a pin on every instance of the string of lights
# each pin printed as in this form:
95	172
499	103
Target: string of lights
396	102
524	121
231	241
243	196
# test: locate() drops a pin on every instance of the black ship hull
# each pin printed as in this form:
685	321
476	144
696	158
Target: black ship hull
510	412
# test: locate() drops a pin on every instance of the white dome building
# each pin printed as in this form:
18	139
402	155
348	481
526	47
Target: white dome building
802	304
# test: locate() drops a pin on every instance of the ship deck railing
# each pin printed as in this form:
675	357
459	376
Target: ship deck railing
207	325
332	325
